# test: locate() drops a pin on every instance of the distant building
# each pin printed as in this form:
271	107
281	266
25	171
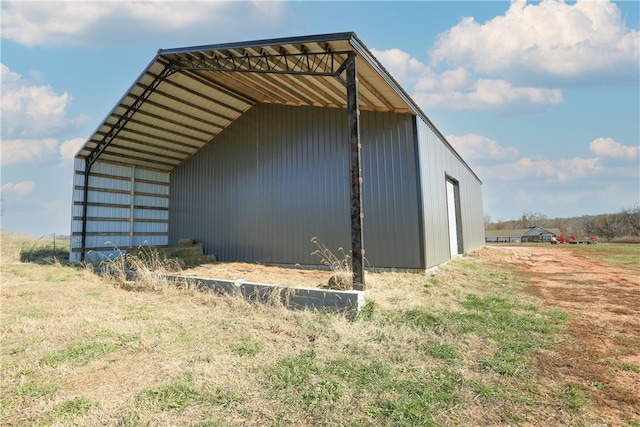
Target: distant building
521	235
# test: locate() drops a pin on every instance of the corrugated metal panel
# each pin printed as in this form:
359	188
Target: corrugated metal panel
117	217
280	175
437	161
390	193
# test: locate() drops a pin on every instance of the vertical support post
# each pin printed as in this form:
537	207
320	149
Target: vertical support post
132	204
85	202
353	112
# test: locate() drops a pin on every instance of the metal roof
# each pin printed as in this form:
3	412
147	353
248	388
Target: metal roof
187	96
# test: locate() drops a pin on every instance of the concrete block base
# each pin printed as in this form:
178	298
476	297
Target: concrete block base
348	303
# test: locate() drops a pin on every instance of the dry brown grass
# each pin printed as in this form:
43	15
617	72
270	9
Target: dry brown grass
144	270
79	349
339	263
11	245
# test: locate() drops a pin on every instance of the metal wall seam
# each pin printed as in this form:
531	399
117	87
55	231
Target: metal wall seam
279	176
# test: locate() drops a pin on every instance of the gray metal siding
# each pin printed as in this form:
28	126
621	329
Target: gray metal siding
128	206
390	193
437	162
279	176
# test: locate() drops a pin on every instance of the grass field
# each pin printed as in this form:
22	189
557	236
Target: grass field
621	255
455	348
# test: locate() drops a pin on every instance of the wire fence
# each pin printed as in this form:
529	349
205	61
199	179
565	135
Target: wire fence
46	247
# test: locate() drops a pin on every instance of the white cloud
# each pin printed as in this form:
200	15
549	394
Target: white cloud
106	23
607	147
472	146
486	94
588	196
403	67
551	170
549	39
30	110
557	187
27	150
21	188
70	147
459	89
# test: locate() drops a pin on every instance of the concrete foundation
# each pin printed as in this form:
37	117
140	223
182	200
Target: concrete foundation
348	303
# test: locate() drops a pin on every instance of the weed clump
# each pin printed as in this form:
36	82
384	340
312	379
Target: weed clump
143	270
340	265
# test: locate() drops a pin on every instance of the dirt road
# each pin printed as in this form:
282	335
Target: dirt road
603	304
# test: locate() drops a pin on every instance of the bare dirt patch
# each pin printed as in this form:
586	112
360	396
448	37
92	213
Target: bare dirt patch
257	273
603	303
381	286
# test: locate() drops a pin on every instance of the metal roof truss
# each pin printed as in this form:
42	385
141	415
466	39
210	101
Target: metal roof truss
304	64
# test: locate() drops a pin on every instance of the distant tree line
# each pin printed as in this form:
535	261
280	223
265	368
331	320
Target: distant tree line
624	225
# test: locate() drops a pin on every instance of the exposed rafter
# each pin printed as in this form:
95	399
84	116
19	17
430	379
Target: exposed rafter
124	119
327	63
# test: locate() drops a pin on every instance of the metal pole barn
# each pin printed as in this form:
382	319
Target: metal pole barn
322	65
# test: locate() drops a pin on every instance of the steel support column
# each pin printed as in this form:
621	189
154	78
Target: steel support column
353	112
85	208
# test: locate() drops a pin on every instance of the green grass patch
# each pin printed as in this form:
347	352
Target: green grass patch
36	390
25	372
367	312
432	282
571	397
487	390
616	254
559	317
126	339
506	363
174	396
247	347
395	397
80	354
293	370
440	351
468	264
45	249
182	394
372	376
514	327
319	393
623	366
417	317
418	401
72	407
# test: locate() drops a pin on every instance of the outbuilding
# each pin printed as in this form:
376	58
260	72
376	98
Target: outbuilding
521	235
254	148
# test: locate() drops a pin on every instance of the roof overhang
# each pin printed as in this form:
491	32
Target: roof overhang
187	96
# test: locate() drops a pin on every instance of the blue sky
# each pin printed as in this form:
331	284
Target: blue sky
542	99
